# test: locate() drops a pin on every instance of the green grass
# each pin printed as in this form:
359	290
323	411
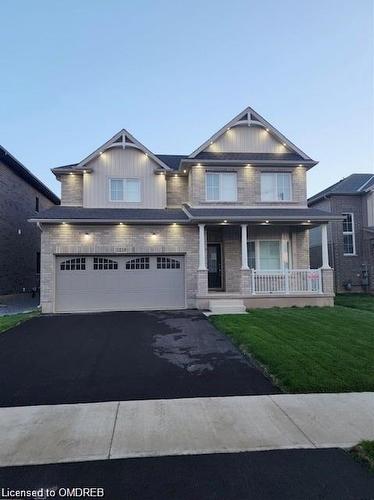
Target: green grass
364	452
356	301
308	349
9	321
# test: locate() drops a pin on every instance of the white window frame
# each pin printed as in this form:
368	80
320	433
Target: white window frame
350	233
275	194
221	176
124	180
283	264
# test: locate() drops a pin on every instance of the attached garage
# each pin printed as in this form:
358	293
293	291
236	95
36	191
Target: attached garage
119	283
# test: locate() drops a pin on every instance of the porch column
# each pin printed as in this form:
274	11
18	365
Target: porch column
325	248
202	259
244	248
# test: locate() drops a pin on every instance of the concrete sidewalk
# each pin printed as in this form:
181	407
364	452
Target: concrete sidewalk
80	432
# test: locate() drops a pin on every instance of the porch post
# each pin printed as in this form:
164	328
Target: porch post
244	248
325	248
202	259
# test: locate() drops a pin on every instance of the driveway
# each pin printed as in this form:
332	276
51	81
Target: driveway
122	356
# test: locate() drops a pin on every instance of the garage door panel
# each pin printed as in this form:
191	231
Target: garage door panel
139	282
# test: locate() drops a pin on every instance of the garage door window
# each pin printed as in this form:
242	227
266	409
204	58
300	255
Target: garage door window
103	263
78	264
167	263
138	263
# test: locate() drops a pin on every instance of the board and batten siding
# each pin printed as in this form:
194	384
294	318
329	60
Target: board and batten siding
244	139
370	208
123	163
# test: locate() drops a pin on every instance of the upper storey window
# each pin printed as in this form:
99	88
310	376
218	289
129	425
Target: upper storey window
127	190
349	243
221	186
276	186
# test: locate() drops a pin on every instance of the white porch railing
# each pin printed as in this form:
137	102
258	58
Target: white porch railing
287	281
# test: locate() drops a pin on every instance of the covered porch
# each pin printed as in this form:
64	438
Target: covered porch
251	264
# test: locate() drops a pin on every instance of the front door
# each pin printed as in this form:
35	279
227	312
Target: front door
214	266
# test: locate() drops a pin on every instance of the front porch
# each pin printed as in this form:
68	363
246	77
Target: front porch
260	265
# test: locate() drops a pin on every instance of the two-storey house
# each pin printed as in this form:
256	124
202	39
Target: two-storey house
351	241
225	227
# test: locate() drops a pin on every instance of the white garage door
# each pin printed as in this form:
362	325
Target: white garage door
111	283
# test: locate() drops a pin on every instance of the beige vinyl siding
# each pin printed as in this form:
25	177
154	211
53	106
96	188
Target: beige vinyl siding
123	163
244	139
370	208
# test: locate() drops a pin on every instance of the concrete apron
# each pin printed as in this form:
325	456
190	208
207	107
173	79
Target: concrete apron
96	431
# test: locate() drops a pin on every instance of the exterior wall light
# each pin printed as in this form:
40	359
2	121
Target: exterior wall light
267	222
225	221
309	220
267	130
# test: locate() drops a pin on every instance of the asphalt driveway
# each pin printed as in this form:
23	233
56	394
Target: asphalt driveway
122	356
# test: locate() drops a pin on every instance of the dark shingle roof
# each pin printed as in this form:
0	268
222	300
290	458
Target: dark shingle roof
172	161
261	214
251	156
26	175
353	184
72	165
109	214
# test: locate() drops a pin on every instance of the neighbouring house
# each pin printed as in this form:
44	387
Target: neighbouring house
351	241
22	196
223	228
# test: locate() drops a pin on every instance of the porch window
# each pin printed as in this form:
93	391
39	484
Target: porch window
266	255
221	186
275	186
127	190
349	243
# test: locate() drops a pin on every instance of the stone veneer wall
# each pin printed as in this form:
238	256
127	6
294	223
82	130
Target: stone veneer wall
72	190
176	191
249	185
125	239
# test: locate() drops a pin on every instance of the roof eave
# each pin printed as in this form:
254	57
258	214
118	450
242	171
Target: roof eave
291	163
108	221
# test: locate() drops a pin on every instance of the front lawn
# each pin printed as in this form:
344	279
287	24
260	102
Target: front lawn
364	452
11	320
308	349
356	301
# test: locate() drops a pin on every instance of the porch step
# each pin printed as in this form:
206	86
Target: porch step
226	306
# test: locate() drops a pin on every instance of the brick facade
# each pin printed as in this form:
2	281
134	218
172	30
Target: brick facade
348	268
19	240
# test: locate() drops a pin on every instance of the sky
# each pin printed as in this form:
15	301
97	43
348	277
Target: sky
172	72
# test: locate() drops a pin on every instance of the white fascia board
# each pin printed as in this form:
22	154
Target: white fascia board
259	119
111	141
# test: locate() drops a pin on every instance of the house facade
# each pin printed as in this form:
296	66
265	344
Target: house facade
226	226
22	196
351	241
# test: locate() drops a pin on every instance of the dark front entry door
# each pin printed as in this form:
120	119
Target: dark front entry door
214	266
